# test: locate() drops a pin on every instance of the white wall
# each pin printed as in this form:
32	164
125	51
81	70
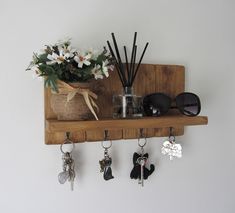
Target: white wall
198	34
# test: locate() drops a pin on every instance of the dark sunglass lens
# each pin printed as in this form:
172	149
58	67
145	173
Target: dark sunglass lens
156	104
188	104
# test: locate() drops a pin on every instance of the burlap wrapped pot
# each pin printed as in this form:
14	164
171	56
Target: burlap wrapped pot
76	107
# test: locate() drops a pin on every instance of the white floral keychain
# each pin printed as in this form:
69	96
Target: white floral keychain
170	148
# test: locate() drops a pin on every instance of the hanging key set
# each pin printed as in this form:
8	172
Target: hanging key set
68	173
142	168
105	163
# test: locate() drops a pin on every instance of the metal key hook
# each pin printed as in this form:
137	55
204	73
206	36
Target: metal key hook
106	136
141	133
67	141
171	135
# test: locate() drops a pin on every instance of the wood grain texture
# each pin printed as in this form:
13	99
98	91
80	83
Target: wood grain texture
53	125
169	79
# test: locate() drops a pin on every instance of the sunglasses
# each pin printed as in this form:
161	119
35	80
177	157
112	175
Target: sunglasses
157	104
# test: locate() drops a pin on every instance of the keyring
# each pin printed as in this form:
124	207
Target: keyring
106	147
67	141
145	141
106	136
172	138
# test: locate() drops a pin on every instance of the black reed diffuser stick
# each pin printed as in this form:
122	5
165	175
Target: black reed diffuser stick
132	55
116	64
119	58
141	58
127	75
133	66
127	65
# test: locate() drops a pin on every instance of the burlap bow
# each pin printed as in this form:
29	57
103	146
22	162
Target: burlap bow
86	93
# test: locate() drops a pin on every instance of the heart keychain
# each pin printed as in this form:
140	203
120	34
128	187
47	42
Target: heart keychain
170	148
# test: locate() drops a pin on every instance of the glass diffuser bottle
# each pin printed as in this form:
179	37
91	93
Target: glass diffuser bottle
127	105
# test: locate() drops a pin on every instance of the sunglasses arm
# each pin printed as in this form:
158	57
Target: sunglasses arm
190	113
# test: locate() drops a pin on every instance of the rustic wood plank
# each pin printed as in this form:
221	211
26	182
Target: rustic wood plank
53	125
169	79
59	137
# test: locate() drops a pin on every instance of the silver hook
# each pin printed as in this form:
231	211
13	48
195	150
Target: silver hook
171	135
67	135
141	132
106	135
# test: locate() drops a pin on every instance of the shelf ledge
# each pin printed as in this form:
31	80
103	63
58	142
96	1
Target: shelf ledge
53	125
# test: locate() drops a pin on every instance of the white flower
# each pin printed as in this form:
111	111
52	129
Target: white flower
105	69
111	67
36	72
64	55
83	59
48	48
68	52
172	149
34	68
54	58
96	71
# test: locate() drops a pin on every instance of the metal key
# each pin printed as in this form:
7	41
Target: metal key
71	174
141	161
72	181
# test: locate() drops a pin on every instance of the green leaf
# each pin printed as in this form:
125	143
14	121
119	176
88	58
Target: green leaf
42	58
51	82
46	69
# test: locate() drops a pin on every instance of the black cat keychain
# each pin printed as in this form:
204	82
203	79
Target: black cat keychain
105	163
140	171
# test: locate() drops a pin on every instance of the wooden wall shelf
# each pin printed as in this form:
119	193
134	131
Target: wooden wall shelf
157	122
169	79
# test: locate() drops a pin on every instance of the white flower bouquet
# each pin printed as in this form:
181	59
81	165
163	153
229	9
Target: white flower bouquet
62	62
